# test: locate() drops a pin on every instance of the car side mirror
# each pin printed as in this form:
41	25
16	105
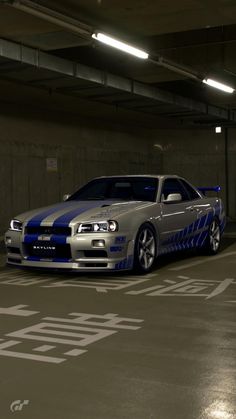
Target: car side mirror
66	196
173	198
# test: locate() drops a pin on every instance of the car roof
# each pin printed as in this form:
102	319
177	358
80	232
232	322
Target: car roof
145	175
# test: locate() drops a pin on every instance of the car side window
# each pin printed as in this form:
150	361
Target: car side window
172	186
191	191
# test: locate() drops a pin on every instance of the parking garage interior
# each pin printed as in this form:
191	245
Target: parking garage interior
73	109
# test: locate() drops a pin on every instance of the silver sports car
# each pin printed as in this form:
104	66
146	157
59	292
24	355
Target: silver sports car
117	223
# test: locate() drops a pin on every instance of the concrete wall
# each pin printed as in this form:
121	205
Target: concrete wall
82	150
232	172
85	148
200	156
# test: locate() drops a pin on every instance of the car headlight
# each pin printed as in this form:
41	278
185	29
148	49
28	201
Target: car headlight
16	225
99	226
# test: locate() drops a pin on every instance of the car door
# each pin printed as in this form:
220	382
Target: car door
177	219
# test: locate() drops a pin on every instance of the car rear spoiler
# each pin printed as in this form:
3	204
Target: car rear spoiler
210	188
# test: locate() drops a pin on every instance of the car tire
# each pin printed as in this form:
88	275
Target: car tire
145	249
213	240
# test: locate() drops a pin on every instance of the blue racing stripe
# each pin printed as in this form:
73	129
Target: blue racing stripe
37	219
65	219
30	238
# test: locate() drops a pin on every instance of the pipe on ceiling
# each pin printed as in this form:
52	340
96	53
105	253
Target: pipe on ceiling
84	30
52	16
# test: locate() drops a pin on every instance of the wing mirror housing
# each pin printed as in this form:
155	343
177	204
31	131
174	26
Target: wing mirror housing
65	197
173	198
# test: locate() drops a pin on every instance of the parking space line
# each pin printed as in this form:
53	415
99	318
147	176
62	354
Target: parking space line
205	260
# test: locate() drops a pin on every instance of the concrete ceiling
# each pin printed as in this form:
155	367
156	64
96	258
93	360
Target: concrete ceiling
197	34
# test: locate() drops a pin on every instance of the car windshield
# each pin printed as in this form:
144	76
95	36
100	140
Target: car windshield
118	188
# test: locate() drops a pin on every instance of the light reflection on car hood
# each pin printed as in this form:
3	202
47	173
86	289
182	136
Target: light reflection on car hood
82	211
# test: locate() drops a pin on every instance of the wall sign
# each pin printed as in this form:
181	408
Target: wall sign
51	163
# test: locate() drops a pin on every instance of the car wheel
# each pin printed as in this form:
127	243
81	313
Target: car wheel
213	239
145	249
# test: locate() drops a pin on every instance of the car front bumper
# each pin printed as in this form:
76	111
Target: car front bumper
82	252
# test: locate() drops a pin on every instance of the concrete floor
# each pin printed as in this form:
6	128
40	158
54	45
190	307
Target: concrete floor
169	353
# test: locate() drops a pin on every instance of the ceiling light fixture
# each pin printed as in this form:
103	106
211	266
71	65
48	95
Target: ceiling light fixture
105	39
217	85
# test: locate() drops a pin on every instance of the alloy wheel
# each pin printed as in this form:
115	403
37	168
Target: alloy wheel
214	236
146	248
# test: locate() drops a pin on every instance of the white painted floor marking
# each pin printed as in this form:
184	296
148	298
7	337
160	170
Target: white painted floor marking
205	260
221	287
187	287
111	320
74	352
143	291
44	348
17	275
170	281
75	332
17	311
100	286
80	337
25	282
22	355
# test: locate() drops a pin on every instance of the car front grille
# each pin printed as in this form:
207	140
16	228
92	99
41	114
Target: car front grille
60	231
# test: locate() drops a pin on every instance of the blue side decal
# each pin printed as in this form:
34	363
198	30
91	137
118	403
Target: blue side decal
202	222
181	240
125	263
116	248
129	261
120	239
203	238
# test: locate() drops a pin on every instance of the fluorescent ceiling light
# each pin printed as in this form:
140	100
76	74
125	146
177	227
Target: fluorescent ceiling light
218	85
119	45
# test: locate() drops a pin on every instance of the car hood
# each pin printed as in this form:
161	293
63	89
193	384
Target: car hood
66	213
